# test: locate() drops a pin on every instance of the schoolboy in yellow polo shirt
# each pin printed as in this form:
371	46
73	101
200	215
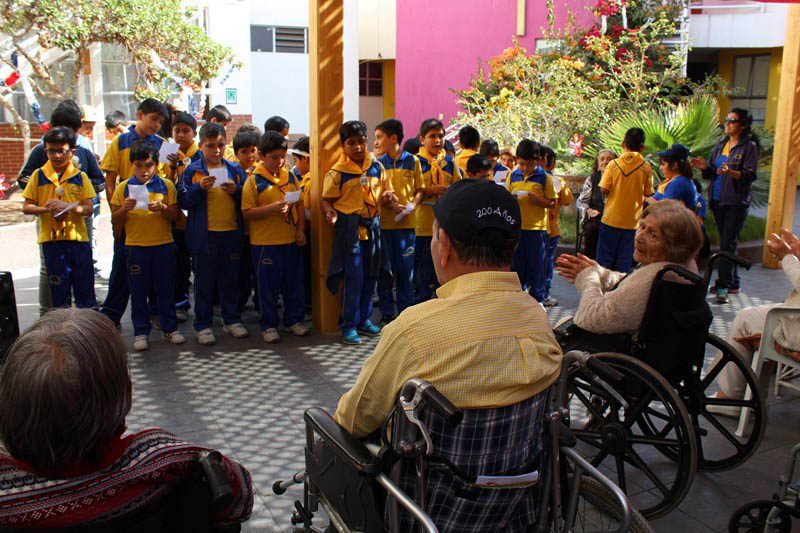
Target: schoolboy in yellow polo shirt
439	170
245	146
149	246
491	151
277	233
625	182
404	172
470	140
301	153
564	197
210	191
534	190
352	193
184	131
61	196
150	116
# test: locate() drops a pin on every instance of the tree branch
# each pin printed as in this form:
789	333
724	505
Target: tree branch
41	70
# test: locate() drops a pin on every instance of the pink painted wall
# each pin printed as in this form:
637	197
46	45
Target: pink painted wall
439	44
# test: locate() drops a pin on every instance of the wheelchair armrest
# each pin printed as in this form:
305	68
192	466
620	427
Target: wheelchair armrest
566	437
342	442
771	322
218	484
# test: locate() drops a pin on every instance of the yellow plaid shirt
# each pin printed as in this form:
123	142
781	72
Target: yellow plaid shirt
483	343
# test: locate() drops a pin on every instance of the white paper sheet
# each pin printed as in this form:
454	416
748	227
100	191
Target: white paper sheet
557	184
220	175
167	148
407	210
73	205
500	176
140	194
521	193
503	184
292	196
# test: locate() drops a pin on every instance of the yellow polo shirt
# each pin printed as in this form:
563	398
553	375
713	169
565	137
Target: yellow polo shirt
506	355
405	175
221	206
354	188
118	155
534	217
145	227
264	188
564	197
191	155
440	170
462	157
629	179
71	186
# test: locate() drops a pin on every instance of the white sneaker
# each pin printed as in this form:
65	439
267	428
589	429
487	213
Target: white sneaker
140	343
175	337
206	337
236	330
299	329
270	336
182	315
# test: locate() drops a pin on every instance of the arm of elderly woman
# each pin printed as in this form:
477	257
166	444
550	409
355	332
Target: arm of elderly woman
786	249
569	266
613	311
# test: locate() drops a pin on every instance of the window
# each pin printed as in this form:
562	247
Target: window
751	78
63	71
119	79
370	79
278	39
545	46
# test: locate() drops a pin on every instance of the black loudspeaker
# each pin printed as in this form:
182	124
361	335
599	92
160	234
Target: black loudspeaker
9	320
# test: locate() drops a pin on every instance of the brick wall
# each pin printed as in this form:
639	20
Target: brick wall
237	121
12	151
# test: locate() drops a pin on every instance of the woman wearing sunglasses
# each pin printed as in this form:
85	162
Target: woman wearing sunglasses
731	169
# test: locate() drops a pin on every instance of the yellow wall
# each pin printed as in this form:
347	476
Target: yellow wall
388	88
726	58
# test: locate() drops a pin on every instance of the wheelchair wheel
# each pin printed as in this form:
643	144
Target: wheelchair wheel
628	434
719	448
758	516
599	510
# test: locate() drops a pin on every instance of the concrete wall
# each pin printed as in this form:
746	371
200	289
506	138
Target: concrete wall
439	47
377	29
737	24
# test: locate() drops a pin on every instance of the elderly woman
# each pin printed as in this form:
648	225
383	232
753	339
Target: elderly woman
64	395
613	302
591	201
747	327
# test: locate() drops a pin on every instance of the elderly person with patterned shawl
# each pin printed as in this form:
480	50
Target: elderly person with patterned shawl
64	395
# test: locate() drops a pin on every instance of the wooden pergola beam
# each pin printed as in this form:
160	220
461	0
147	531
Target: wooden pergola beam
326	77
786	156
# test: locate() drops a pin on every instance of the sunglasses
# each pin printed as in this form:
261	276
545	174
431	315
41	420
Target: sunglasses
732	120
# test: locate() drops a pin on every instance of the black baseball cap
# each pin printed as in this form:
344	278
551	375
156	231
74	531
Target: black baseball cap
470	205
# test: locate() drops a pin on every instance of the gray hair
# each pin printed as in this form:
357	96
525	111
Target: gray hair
65	389
682	233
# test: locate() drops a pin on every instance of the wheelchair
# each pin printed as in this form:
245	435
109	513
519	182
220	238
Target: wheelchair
663	422
365	486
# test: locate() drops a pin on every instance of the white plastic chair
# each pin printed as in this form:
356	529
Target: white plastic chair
766	351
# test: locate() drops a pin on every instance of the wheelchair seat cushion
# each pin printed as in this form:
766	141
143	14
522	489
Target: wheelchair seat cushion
502	441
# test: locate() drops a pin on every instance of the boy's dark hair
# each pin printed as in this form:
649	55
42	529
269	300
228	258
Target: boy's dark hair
142	151
212	130
219	113
151	105
303	144
66	116
548	155
272	140
489	148
491	247
166	126
412	146
449	147
245	139
61	135
469	137
186	119
634	139
249	128
352	128
430	124
392	126
528	150
114	119
276	123
478	163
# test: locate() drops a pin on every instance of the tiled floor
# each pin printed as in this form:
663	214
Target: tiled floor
246	399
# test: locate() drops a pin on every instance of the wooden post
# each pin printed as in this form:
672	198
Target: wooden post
326	67
521	17
783	182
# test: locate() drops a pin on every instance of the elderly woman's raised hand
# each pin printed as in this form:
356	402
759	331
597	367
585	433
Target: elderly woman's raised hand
569	266
784	244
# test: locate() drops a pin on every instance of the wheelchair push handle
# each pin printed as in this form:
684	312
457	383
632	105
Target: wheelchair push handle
435	399
604	371
220	487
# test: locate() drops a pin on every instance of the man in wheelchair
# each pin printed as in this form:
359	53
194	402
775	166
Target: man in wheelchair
487	346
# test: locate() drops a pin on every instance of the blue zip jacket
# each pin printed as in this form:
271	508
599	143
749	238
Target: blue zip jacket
194	200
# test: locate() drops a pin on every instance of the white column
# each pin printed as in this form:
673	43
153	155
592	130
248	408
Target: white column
96	97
